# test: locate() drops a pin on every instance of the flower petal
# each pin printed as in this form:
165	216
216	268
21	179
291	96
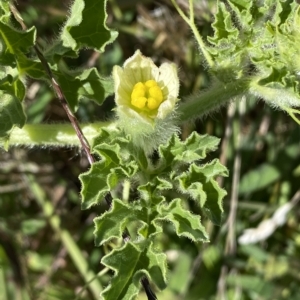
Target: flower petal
151	122
169	77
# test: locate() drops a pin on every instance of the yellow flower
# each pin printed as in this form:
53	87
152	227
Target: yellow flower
146	97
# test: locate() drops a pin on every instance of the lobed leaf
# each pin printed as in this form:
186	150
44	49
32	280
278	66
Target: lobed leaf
131	263
94	184
87	83
223	26
259	41
194	148
200	184
106	174
148	192
16	40
11	83
113	222
86	26
185	223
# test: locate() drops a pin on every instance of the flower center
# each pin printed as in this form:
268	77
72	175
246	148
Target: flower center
146	95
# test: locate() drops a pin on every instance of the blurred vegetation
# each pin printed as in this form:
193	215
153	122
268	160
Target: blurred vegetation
40	216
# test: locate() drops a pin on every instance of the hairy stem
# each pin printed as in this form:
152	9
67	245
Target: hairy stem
191	22
53	135
218	95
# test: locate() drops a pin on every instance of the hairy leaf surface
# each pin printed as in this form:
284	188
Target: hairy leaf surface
86	26
130	263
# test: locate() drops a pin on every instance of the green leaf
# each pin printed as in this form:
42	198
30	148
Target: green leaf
186	224
130	264
95	87
200	184
11	82
11	113
110	135
194	148
30	67
224	29
243	15
258	178
56	51
165	153
86	26
105	175
94	184
162	184
113	222
148	192
87	83
15	45
262	37
16	40
112	138
4	11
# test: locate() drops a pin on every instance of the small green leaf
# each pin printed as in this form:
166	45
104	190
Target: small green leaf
11	113
111	135
30	67
94	183
243	14
4	11
86	26
95	87
152	191
130	264
195	147
224	29
87	83
105	175
200	184
16	40
186	224
56	51
113	222
11	82
162	184
147	190
165	153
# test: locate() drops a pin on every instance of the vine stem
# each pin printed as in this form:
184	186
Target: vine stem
208	101
52	135
58	91
191	22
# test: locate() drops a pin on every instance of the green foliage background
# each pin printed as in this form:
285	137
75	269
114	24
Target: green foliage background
40	215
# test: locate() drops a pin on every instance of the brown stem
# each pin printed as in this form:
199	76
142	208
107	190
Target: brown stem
146	285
